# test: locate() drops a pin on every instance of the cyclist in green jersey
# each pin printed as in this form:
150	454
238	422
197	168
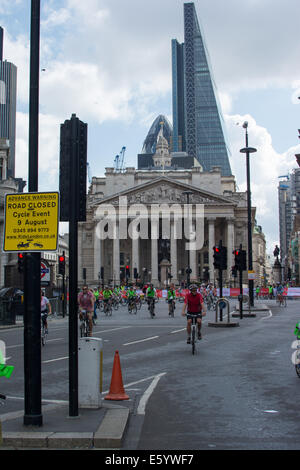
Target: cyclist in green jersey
151	296
107	294
171	297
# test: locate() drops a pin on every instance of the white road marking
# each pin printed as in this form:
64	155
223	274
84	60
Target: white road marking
54	360
269	316
177	331
141	340
147	394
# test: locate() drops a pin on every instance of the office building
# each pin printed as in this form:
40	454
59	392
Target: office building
197	120
8	106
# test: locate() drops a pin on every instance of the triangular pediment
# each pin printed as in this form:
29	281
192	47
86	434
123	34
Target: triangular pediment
166	190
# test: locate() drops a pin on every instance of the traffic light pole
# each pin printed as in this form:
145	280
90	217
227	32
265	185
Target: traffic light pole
32	261
241	293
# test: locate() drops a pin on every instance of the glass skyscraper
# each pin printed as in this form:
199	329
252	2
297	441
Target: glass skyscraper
8	105
197	120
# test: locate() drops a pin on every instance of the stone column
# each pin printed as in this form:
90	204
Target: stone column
154	252
97	254
230	246
193	261
135	257
173	243
211	244
116	255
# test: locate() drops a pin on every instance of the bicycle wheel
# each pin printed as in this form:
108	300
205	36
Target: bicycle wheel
151	309
172	310
82	329
297	367
43	336
193	340
134	309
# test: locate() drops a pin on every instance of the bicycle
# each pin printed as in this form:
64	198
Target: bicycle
84	324
107	309
193	329
281	300
132	307
115	303
44	330
151	303
171	307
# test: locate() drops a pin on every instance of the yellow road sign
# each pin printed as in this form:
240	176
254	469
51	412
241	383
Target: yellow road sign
31	222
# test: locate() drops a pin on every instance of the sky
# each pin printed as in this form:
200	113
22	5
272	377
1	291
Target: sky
109	62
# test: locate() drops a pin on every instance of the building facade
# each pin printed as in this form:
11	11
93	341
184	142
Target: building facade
155	253
197	121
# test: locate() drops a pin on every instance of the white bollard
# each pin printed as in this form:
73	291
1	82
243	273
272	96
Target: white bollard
90	352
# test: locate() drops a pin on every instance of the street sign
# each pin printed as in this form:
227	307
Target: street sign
251	275
31	222
45	272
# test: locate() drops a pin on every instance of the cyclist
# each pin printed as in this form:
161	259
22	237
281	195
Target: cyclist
151	296
171	297
107	296
45	309
86	301
297	330
280	291
131	295
195	305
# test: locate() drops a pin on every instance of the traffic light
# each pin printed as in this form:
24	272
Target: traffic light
20	262
61	264
240	262
127	271
135	273
220	257
73	153
102	272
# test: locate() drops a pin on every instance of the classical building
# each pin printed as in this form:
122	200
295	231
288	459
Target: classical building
127	223
259	256
8	185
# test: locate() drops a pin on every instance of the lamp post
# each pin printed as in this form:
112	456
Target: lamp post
188	271
247	150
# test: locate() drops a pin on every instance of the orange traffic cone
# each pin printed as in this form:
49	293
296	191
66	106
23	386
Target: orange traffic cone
116	391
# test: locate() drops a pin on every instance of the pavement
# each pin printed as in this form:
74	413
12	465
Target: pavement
101	428
94	428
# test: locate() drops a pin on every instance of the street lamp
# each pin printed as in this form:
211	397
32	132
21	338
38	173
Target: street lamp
247	150
188	271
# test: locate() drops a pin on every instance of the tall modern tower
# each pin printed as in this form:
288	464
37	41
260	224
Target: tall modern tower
8	106
197	120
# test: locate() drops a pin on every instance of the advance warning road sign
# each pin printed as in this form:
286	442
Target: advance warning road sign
31	222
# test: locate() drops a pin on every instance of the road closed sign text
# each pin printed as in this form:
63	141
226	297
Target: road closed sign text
31	222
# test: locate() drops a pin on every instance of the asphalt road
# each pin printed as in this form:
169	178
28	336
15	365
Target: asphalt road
240	390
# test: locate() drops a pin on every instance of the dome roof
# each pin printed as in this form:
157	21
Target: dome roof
151	139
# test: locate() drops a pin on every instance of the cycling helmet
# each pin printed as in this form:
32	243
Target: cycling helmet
193	287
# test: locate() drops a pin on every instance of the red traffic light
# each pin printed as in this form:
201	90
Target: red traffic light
217	250
127	267
20	255
61	259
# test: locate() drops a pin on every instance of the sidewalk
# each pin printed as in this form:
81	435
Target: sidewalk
102	428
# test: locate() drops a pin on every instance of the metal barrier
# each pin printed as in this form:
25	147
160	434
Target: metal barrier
222	304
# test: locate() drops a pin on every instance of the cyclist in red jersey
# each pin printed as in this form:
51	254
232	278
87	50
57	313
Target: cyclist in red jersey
194	304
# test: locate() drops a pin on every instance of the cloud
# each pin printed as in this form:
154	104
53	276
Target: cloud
266	165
